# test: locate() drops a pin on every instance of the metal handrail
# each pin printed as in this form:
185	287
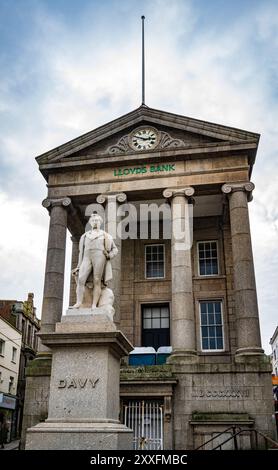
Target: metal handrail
267	439
217	435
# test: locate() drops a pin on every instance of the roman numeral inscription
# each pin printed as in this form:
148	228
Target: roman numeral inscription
78	383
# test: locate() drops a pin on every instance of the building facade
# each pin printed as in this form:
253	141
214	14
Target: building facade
10	345
274	347
197	302
22	315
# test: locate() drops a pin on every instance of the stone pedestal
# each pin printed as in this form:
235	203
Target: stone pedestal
83	409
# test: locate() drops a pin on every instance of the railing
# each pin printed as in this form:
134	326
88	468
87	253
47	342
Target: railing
237	431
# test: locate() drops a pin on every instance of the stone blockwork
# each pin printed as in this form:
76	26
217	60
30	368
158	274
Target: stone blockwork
37	394
136	290
224	389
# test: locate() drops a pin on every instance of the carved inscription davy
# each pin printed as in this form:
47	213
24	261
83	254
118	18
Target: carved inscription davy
77	383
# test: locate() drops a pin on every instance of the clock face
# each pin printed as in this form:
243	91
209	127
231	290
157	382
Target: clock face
144	138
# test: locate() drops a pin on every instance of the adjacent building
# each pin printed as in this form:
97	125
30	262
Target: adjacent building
22	316
274	347
198	304
10	347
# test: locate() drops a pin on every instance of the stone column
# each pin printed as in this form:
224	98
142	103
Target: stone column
55	265
112	202
248	328
182	313
74	262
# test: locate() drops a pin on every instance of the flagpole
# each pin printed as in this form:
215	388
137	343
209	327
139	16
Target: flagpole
143	61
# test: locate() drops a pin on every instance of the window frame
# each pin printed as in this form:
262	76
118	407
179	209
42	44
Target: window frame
198	258
2	350
222	325
11	384
155	305
14	354
145	256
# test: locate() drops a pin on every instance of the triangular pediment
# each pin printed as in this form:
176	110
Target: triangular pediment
175	132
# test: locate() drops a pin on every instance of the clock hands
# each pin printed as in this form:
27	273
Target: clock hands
143	138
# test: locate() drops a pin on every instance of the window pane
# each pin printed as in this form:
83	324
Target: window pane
219	343
211	331
149	270
218	320
210	307
204	331
211	319
161	269
164	322
219	331
202	268
147	323
154	261
156	323
164	312
208	269
203	307
156	312
217	307
211	325
208	264
214	267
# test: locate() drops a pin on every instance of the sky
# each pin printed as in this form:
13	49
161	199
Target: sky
68	67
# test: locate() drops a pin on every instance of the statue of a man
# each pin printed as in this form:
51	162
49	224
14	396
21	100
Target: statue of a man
96	249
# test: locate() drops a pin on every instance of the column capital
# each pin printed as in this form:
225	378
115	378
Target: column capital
107	197
247	187
170	193
48	203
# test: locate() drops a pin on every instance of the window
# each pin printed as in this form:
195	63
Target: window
34	340
211	326
156	325
208	258
23	326
29	335
11	384
2	347
14	355
154	261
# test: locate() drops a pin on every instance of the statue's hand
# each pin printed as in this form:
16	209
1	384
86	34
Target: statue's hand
106	254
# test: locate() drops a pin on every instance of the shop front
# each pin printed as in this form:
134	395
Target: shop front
8	416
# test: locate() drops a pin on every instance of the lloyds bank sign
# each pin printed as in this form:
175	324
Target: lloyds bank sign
139	170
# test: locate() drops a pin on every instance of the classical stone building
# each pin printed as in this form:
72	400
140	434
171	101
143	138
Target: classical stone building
200	301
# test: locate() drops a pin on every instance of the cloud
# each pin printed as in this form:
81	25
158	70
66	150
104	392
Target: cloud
70	70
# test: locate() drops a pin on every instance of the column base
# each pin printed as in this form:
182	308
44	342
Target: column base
183	356
249	351
82	435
